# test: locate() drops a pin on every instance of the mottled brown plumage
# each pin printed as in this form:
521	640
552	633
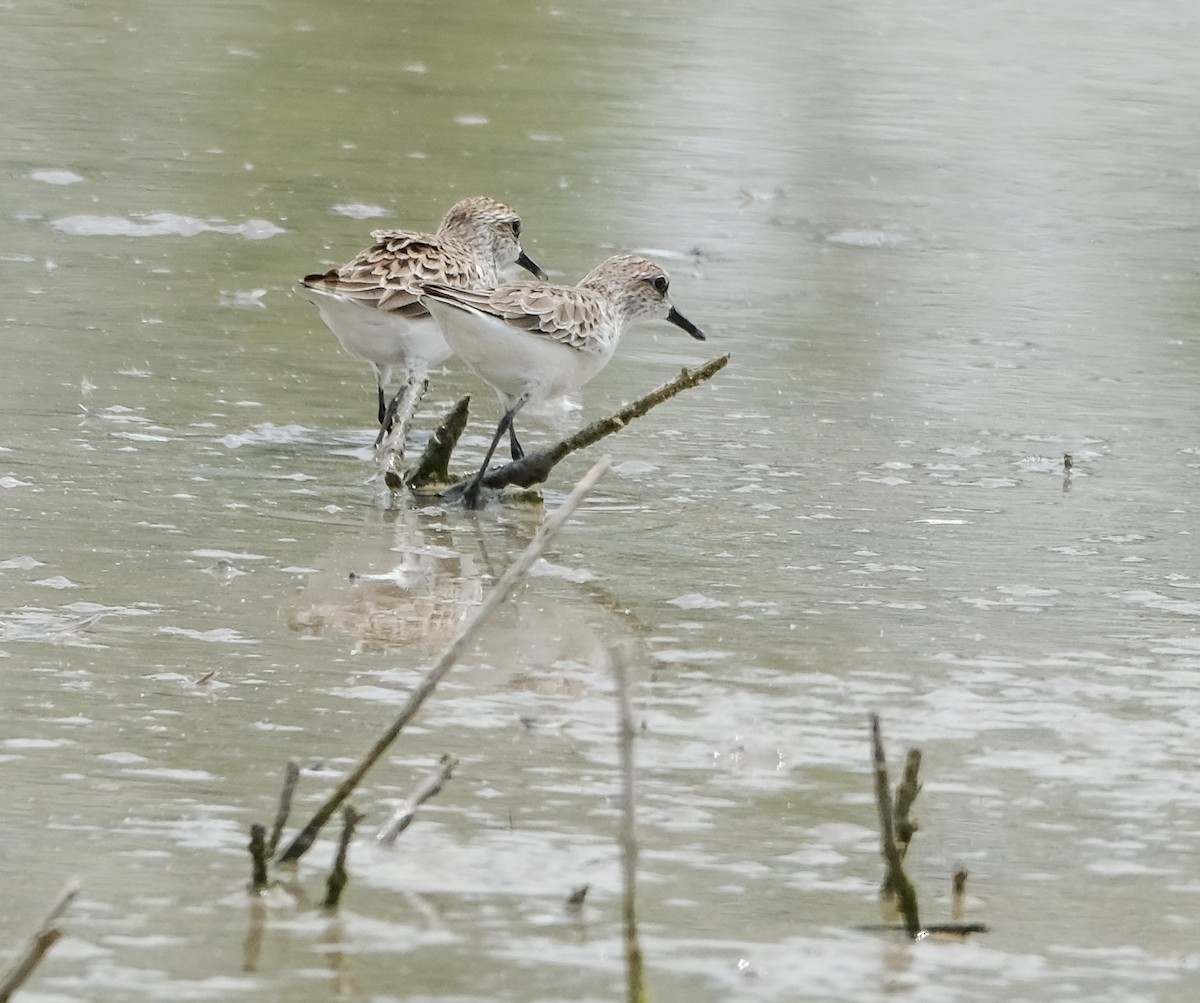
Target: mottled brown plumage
533	341
372	303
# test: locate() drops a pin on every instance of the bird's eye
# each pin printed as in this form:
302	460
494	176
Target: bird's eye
516	228
660	284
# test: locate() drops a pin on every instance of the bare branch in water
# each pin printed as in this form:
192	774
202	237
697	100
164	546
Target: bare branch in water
404	814
291	777
896	880
433	468
338	876
534	468
45	938
453	651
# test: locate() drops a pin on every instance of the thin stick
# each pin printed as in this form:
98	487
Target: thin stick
446	660
434	465
958	898
906	794
45	938
534	468
338	876
291	777
635	991
906	896
258	858
404	814
903	826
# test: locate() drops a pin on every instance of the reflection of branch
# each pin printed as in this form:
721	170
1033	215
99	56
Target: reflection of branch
534	468
45	938
300	844
404	814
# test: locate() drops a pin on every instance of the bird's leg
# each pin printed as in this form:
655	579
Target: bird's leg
382	406
471	494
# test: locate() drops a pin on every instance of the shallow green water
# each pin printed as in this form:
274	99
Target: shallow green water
944	247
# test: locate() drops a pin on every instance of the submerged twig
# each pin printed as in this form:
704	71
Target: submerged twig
45	938
534	468
635	991
453	651
291	777
433	467
405	812
896	880
338	876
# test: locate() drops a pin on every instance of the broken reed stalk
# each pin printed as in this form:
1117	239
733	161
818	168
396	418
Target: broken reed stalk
897	880
291	777
453	651
534	468
434	465
904	826
45	938
635	990
906	795
405	812
338	876
258	858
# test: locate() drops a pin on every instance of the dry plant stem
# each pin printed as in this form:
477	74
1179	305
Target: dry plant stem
897	880
291	777
453	651
534	468
338	877
434	465
258	858
404	814
45	937
635	991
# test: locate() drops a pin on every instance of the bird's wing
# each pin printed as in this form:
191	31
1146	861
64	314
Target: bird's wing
391	274
566	314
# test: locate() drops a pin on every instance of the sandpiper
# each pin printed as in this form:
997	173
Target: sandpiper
535	341
371	303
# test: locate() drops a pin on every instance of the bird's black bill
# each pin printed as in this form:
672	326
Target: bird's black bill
526	262
679	320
